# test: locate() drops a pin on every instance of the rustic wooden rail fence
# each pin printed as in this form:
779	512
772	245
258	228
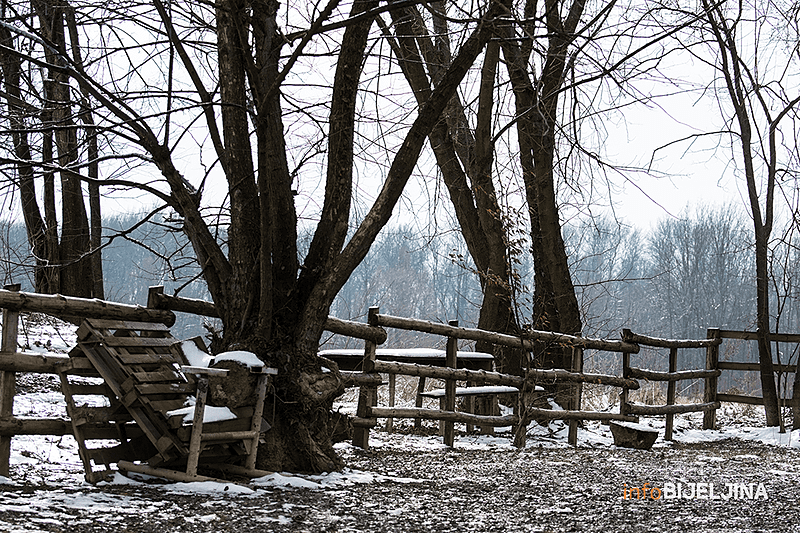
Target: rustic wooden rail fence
714	362
672	377
12	361
367	411
161	306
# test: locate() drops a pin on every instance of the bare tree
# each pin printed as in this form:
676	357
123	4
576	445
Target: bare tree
40	105
270	301
764	114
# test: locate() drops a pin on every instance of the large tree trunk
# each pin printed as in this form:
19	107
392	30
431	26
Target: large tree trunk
767	373
731	68
34	224
556	306
76	270
476	206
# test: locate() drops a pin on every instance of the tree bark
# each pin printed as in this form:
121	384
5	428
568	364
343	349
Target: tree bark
476	206
731	67
76	270
556	306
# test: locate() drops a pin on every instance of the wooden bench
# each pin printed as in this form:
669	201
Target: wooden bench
147	379
484	401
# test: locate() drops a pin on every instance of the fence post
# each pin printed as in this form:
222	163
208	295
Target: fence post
626	373
451	361
577	366
8	380
673	367
367	394
710	394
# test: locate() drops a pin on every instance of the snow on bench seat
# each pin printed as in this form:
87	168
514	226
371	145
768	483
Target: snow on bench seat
473	391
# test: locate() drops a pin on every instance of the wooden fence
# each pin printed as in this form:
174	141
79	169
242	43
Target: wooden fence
160	309
12	361
672	377
367	410
714	362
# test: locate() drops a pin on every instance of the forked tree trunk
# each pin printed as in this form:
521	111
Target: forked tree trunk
555	304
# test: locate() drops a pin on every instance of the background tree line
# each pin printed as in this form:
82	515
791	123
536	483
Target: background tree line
674	280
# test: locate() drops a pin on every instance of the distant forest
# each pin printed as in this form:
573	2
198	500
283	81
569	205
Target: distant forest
673	280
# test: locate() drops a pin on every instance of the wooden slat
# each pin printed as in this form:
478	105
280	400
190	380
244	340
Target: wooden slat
128	358
98	323
145	342
753	367
148	389
653	410
85	389
168	405
162	375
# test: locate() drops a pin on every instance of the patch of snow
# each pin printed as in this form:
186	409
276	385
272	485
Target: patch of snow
248	359
210	414
195	355
210	487
328	481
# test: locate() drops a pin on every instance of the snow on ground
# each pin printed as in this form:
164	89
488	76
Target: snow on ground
410	481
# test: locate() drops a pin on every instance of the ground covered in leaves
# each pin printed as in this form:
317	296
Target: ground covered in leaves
412	483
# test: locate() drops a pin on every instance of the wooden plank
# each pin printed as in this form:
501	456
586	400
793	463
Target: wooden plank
255	426
98	323
195	443
173	475
450	387
144	342
552	414
157	299
88	389
753	336
528	342
629	336
8	380
127	358
153	377
740	398
473	391
168	405
673	367
61	306
652	375
653	410
461	374
147	389
367	395
581	377
710	383
439	414
753	367
237	424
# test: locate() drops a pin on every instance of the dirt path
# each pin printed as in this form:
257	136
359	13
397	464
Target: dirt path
463	490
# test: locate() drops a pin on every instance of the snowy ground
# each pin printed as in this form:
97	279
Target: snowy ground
409	481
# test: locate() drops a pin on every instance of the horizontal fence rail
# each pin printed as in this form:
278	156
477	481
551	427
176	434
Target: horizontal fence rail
158	300
524	341
671	377
69	306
